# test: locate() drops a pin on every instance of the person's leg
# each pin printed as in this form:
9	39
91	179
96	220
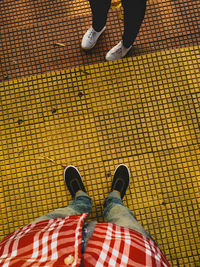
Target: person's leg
99	13
99	16
115	212
81	204
134	11
114	209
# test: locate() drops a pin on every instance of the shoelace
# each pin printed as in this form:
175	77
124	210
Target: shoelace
118	51
91	34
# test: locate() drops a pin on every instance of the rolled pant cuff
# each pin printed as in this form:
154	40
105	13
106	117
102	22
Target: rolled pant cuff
81	194
115	194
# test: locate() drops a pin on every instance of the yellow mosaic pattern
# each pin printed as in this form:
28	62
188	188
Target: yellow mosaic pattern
141	111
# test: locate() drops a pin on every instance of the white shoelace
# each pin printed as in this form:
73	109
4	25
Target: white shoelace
92	32
118	51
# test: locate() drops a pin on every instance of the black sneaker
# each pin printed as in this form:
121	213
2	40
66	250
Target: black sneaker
73	180
121	179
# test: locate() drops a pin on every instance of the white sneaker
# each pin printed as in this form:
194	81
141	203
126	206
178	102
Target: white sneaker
90	38
117	52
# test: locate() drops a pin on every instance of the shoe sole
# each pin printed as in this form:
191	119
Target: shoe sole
88	49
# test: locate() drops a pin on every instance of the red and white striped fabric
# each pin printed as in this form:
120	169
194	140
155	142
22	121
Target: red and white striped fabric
46	243
57	242
113	245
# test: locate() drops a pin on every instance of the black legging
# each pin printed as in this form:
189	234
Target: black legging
134	11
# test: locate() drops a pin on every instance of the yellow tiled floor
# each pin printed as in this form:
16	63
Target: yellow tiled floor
142	112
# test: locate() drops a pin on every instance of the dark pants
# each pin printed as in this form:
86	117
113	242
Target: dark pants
134	11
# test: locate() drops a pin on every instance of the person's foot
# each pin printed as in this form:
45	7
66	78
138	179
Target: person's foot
73	180
121	179
90	38
117	52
